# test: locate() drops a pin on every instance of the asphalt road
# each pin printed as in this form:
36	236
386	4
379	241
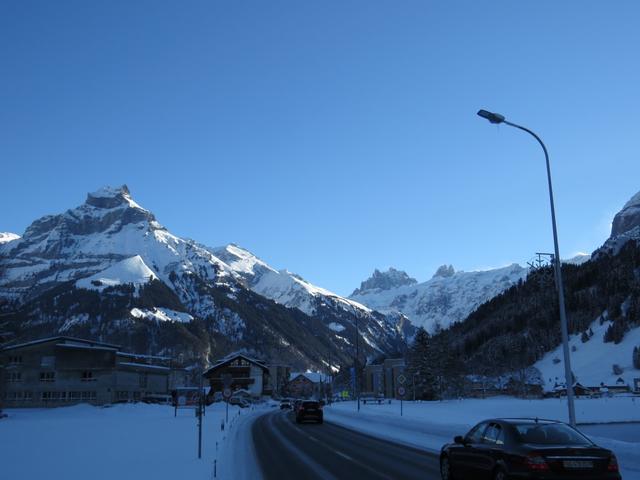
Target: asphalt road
287	450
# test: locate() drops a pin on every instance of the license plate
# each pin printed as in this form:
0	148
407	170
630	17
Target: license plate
577	464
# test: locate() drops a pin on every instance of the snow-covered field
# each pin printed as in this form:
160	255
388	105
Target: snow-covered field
124	441
429	425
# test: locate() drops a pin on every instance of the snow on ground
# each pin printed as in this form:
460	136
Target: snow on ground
132	270
429	425
123	441
592	362
161	315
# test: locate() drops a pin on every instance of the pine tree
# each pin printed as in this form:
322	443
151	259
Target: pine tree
420	365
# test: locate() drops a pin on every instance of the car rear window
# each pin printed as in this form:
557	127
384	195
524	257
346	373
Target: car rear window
550	434
311	404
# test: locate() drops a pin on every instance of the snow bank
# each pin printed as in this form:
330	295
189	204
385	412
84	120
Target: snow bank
124	441
429	425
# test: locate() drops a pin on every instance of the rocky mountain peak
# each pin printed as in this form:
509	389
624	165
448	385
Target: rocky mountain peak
444	271
628	218
392	278
110	197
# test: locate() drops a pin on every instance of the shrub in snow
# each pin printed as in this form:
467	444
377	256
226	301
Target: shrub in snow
584	337
556	360
617	369
574	348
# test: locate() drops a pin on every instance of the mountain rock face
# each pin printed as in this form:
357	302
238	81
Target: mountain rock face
446	298
628	218
625	227
392	278
109	270
378	330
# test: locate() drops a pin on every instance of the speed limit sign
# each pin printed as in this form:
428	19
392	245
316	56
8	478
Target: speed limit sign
401	391
226	393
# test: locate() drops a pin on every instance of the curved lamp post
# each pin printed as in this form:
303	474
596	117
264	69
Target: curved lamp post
497	119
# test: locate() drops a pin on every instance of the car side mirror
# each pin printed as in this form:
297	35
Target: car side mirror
459	439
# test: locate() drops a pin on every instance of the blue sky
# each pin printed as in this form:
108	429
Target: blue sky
333	137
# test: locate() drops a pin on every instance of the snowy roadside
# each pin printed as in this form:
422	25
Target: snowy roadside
123	441
429	425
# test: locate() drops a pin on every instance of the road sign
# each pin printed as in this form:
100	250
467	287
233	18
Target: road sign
401	379
401	391
226	393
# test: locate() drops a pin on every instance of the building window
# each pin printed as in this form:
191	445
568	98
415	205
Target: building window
48	361
74	396
143	380
14	377
87	376
123	395
15	360
28	396
47	376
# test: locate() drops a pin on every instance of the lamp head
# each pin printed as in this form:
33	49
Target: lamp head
492	117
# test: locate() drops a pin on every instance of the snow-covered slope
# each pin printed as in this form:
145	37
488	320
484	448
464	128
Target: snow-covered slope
130	271
293	291
6	237
446	298
592	361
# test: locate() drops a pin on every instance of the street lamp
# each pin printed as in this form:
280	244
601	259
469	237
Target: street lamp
496	118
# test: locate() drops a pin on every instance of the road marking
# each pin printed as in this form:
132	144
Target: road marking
343	455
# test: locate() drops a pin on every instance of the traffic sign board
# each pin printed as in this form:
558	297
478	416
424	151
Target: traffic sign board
226	393
401	391
401	379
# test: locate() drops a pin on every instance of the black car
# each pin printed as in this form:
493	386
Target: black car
285	405
309	410
513	448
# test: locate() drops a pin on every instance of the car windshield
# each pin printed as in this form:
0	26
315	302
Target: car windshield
550	434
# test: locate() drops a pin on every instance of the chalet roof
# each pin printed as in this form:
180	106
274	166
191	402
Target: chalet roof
314	377
63	341
229	358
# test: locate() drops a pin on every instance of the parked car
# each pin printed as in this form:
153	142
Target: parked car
504	448
309	410
241	402
286	405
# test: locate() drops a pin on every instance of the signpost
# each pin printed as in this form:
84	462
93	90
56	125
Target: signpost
401	391
227	379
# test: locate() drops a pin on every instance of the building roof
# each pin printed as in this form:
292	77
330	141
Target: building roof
64	341
143	365
230	358
314	377
86	347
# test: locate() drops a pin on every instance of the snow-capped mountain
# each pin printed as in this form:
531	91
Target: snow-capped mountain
294	291
8	237
448	297
108	268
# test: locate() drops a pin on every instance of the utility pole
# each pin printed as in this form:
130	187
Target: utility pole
355	367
